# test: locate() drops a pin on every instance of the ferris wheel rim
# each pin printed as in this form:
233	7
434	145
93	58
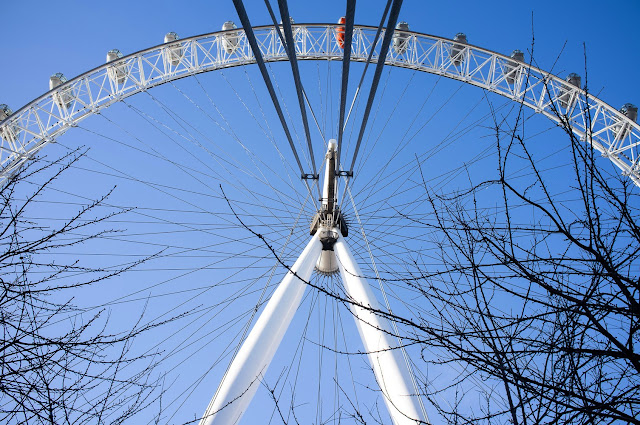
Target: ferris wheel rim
604	139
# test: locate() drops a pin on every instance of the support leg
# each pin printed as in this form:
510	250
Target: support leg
250	364
375	331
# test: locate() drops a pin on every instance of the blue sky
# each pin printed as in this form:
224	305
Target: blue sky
42	38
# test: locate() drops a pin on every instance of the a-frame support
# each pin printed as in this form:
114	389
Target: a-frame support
252	360
250	364
380	343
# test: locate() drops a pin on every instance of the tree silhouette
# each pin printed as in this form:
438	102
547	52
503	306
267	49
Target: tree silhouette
60	364
538	295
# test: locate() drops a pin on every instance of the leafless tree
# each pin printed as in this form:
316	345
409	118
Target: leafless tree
538	292
60	364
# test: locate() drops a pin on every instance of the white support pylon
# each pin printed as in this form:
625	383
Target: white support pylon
252	360
391	371
250	364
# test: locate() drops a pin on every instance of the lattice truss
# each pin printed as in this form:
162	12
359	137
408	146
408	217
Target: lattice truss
28	130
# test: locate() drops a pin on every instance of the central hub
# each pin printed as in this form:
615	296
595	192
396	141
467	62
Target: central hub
328	237
328	222
327	263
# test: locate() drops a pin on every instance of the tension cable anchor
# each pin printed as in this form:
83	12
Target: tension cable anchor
304	176
344	173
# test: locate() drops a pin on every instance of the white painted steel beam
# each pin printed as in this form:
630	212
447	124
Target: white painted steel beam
38	123
379	341
252	360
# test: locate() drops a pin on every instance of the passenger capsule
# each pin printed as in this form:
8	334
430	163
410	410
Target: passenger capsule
294	31
230	39
5	111
401	38
511	67
457	48
565	92
174	53
630	111
9	132
340	32
291	21
117	73
574	79
64	97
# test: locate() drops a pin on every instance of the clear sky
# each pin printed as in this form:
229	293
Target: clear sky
42	38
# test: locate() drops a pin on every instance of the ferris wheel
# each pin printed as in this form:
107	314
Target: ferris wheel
278	190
